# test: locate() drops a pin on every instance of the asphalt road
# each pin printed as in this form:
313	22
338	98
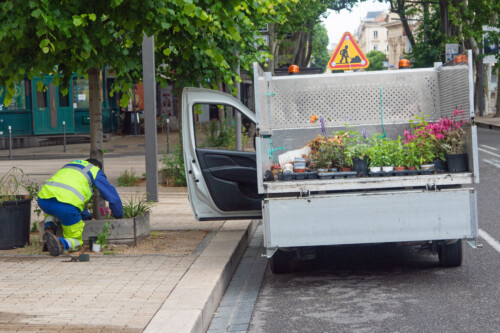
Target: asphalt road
387	288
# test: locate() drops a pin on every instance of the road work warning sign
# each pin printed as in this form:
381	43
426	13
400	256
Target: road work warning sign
348	55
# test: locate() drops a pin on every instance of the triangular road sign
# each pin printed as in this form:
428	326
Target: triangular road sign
348	55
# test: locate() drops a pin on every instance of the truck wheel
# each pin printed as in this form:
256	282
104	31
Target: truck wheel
450	255
281	262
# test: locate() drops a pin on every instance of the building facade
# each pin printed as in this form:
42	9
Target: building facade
372	34
398	42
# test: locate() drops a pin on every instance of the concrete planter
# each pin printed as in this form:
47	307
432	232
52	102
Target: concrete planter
122	231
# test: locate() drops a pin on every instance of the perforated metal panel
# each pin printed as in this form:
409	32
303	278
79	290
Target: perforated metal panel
350	98
454	91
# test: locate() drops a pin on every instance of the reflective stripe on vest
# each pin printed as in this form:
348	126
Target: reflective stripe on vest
67	187
83	171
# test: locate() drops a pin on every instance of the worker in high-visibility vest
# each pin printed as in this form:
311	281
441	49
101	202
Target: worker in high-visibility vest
64	195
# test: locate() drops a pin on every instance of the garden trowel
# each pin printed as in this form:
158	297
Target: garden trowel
81	257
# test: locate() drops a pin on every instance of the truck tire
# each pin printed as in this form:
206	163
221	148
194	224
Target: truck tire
450	255
281	262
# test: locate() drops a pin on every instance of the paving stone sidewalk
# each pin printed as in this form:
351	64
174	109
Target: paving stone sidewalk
135	293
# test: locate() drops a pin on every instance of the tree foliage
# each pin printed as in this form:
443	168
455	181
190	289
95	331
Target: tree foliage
429	41
376	59
320	55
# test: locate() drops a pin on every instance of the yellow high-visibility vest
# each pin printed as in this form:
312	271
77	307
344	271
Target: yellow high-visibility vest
72	184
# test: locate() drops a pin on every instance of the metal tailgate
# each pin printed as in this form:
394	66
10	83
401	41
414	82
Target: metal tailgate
374	217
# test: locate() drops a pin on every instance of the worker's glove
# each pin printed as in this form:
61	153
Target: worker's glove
86	215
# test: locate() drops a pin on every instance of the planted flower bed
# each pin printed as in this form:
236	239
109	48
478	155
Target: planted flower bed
130	229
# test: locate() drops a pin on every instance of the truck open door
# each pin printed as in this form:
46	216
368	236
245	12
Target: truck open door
222	181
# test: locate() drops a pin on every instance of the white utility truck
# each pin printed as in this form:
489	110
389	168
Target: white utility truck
437	210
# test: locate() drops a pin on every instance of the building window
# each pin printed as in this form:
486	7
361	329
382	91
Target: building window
387	48
80	93
375	34
19	98
375	47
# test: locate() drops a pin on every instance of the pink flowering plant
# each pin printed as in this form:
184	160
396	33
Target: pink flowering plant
437	139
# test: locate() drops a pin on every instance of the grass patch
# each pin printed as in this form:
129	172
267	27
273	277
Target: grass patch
127	178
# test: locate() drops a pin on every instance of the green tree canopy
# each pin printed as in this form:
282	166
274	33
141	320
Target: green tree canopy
320	55
376	59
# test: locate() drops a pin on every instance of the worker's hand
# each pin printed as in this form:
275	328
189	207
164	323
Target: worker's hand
86	215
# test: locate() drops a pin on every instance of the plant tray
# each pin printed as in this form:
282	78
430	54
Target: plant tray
298	176
121	231
337	175
401	173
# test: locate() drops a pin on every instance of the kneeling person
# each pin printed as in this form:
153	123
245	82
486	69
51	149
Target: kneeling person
64	196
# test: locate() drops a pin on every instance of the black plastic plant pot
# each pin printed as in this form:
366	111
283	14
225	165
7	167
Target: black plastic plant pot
360	166
457	163
15	219
440	166
92	240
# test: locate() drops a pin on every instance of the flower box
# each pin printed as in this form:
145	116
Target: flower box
126	231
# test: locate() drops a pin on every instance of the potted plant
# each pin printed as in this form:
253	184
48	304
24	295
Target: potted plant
387	158
454	146
102	238
412	155
16	194
399	156
322	157
376	156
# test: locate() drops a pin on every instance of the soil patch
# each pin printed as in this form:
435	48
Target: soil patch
171	242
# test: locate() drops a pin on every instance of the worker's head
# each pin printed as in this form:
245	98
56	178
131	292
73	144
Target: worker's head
293	69
95	162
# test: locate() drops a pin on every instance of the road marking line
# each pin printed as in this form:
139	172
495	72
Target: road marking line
495	163
489	147
488	152
490	240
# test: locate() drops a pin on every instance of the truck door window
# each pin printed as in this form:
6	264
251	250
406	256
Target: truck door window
215	127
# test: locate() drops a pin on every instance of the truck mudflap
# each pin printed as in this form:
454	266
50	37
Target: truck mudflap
375	217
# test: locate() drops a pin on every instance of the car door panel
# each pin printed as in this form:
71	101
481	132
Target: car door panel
231	178
222	184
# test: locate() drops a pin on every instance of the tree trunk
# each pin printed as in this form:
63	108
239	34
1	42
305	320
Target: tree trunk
400	10
96	133
443	13
309	44
487	85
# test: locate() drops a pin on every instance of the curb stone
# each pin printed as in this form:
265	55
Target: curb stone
192	303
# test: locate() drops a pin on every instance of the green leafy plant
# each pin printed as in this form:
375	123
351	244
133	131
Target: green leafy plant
15	185
381	152
412	155
127	178
136	206
399	154
103	236
173	168
322	156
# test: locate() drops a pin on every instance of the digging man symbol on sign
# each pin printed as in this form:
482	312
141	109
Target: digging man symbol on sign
344	54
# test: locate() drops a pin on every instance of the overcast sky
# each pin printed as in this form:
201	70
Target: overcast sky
338	23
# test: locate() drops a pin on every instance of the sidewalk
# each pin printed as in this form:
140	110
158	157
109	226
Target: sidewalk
488	121
121	293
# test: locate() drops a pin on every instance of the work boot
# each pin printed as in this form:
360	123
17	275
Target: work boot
45	236
53	244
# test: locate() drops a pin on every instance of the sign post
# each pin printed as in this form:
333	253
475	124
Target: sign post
348	55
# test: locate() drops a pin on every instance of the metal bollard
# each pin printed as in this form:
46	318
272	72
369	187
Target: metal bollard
64	134
10	143
168	136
